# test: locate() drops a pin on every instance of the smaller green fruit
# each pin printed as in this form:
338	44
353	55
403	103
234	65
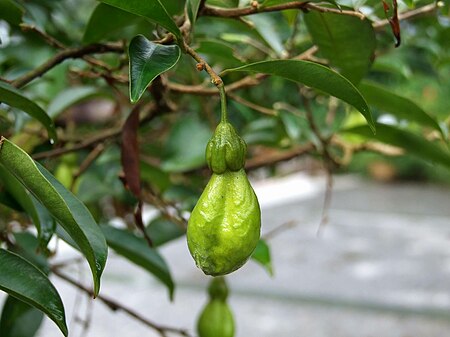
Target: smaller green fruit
216	320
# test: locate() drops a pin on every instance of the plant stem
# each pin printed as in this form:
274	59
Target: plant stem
223	104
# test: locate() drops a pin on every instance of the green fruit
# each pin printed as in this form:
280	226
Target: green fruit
216	320
224	227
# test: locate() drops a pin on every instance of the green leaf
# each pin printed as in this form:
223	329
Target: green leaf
267	3
137	251
316	76
150	9
224	3
161	231
11	12
148	60
154	176
219	52
29	204
72	96
185	147
261	255
412	143
397	105
24	281
269	30
61	203
19	319
346	41
192	10
27	246
14	98
104	20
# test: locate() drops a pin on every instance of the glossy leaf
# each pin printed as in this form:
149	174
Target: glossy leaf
137	251
316	76
24	281
397	105
162	230
14	98
262	256
62	205
346	41
186	133
150	9
148	60
11	12
72	96
411	142
19	319
192	9
104	20
29	204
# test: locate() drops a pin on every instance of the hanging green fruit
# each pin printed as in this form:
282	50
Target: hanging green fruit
224	226
216	319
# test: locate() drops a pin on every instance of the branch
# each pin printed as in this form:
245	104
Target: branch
411	14
64	55
244	11
116	306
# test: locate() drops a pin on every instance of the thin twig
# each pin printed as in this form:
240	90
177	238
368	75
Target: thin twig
116	306
326	201
280	229
87	162
256	107
64	55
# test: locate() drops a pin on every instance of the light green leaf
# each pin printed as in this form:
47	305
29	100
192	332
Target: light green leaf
397	105
186	133
62	205
192	10
104	20
268	28
219	52
412	143
261	255
161	231
316	76
24	281
137	251
13	97
150	9
71	96
29	204
14	314
148	60
346	41
11	12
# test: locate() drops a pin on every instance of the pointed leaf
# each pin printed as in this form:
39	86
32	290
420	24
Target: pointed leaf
261	255
137	251
70	213
24	281
150	9
148	60
14	98
316	76
104	20
346	41
397	105
412	143
14	314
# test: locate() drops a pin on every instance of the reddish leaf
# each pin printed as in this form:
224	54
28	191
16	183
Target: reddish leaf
393	21
130	153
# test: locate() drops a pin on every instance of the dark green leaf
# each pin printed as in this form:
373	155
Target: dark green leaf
185	148
261	255
137	251
399	106
71	96
346	41
19	319
192	9
62	205
148	60
27	246
11	12
24	281
316	76
150	9
161	230
14	98
412	143
155	176
104	20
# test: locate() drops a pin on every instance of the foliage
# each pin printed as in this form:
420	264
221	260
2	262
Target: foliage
111	102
